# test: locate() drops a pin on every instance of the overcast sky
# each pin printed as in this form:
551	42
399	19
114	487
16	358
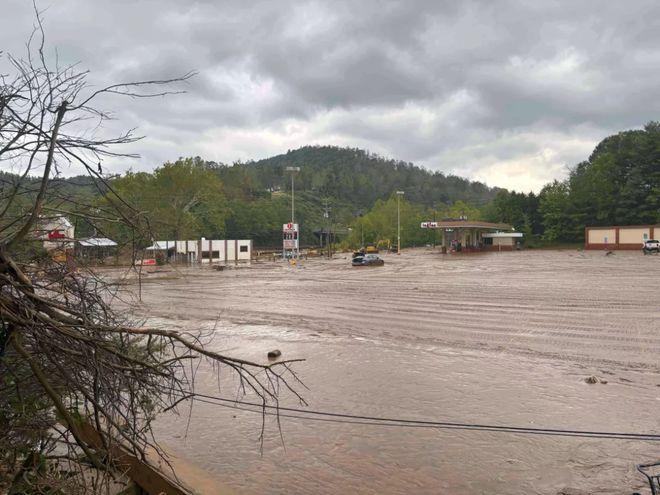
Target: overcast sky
509	93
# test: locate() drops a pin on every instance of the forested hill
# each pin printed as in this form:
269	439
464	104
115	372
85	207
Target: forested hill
193	197
619	184
361	178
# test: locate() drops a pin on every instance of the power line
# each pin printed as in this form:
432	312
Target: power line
332	417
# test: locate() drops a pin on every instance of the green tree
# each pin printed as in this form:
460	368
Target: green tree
380	223
554	207
179	200
459	209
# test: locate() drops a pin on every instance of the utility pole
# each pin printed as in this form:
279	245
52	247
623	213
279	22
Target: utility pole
326	215
398	221
434	239
361	233
360	214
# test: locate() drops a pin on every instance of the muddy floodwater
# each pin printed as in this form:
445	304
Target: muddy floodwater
497	338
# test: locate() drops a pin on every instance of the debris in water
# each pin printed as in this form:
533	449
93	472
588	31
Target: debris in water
592	379
274	354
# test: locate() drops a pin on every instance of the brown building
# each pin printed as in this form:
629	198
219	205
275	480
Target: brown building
619	237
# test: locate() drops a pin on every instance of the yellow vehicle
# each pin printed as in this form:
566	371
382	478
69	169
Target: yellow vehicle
382	244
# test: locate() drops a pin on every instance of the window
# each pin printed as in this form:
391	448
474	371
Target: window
244	249
214	254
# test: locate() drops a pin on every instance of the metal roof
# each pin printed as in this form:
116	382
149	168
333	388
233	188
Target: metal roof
97	242
158	245
466	224
502	234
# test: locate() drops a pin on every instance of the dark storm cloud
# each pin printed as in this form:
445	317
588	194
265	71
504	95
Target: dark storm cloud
505	92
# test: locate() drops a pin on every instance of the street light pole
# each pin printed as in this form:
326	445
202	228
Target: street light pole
293	198
361	234
328	228
434	238
360	214
293	171
398	221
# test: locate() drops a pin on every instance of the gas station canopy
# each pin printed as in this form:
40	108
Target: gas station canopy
465	224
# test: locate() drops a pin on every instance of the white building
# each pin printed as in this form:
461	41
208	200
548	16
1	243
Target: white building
204	250
56	232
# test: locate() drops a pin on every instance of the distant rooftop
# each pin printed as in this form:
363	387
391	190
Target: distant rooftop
465	224
97	242
494	235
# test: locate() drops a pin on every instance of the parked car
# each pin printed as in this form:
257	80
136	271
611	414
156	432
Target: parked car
367	260
651	246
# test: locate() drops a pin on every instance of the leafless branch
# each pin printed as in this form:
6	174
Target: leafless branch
66	354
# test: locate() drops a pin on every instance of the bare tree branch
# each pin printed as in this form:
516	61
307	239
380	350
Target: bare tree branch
64	349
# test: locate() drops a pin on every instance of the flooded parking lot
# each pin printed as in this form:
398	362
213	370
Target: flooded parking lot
497	338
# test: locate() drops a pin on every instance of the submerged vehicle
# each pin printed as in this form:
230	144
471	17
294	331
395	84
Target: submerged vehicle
651	246
367	260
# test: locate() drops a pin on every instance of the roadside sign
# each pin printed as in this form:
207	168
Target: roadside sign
290	239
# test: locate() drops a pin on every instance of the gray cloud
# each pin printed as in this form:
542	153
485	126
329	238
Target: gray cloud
508	93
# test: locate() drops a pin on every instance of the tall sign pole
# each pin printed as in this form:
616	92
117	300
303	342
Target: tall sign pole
398	221
294	171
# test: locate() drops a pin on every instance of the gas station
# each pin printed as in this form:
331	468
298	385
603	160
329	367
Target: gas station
474	236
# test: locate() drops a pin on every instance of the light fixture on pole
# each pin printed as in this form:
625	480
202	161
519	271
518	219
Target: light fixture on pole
398	221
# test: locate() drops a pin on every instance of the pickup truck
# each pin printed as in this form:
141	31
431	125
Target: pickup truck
651	246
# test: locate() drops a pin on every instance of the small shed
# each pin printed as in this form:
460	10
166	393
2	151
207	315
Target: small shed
96	248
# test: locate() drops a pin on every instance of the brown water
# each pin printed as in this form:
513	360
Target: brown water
498	338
